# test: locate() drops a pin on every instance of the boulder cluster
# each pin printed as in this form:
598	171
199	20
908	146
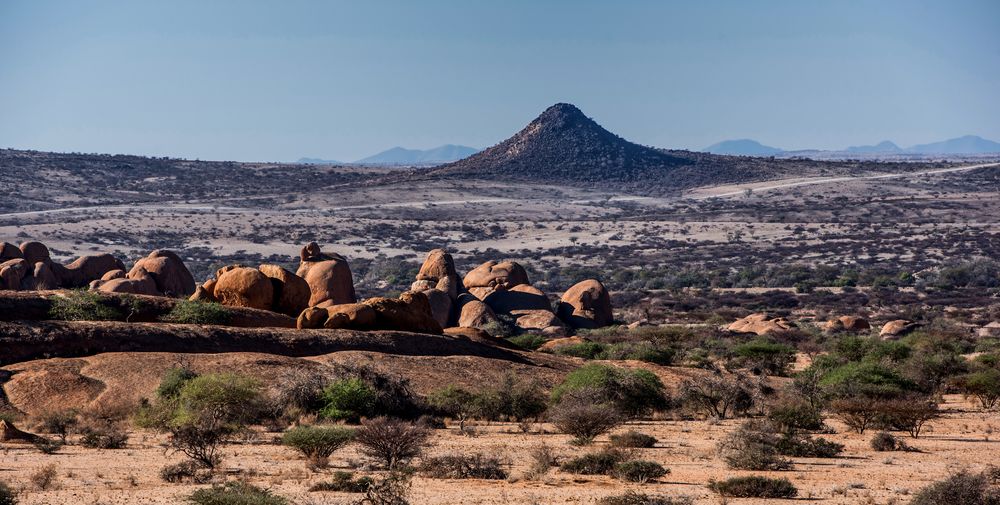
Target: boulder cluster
320	294
30	267
764	325
440	299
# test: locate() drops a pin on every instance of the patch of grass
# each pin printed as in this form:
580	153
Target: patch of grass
585	350
235	493
754	486
81	305
196	312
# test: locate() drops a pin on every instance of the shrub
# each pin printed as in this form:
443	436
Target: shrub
640	351
984	385
885	441
391	442
632	392
347	399
639	471
542	460
390	490
857	413
511	398
529	341
344	482
584	414
908	414
794	414
172	382
205	411
872	380
197	312
8	495
634	498
81	305
801	447
317	443
752	447
596	463
633	439
58	422
45	477
963	487
461	466
718	396
103	436
585	350
235	493
763	356
504	327
47	446
754	486
187	470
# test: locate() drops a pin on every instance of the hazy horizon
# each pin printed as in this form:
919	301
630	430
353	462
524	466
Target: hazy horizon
256	81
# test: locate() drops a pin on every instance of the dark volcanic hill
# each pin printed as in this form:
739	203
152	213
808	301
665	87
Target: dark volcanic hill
563	146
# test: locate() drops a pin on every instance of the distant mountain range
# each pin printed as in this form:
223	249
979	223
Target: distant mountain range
402	156
969	144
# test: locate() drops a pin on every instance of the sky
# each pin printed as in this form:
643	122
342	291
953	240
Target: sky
279	80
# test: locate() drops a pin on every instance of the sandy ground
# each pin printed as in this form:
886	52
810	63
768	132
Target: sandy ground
962	439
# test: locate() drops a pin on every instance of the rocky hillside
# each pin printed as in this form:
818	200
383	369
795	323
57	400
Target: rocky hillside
564	146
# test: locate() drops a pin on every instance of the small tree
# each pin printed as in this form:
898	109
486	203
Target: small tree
391	441
58	422
455	402
718	396
317	443
348	399
984	385
859	414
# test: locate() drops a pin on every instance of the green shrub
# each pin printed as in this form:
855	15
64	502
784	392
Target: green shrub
8	495
344	482
763	356
585	350
754	486
197	312
104	436
794	414
984	385
633	439
81	305
635	498
204	413
718	396
529	341
596	463
172	382
802	447
632	392
235	493
462	466
872	380
317	443
639	471
642	350
348	399
963	487
47	446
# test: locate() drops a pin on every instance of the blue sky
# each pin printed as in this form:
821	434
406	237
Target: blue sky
278	80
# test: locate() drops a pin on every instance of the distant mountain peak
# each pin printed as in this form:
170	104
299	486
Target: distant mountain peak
402	156
742	147
885	146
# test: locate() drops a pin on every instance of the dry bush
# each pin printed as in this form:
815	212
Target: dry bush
57	422
393	489
542	460
8	495
639	471
45	477
754	486
391	442
635	498
186	471
633	439
583	414
885	441
752	447
463	466
343	482
963	487
718	396
597	463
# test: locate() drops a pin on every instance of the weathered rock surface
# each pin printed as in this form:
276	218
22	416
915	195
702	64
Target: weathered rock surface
476	314
172	278
244	287
491	274
410	312
520	297
587	304
291	292
847	323
761	324
328	275
897	328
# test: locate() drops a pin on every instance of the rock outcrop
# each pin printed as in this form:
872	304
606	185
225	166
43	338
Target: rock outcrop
761	324
328	276
897	328
587	304
853	324
410	312
502	275
86	269
476	314
244	287
438	272
172	278
291	292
